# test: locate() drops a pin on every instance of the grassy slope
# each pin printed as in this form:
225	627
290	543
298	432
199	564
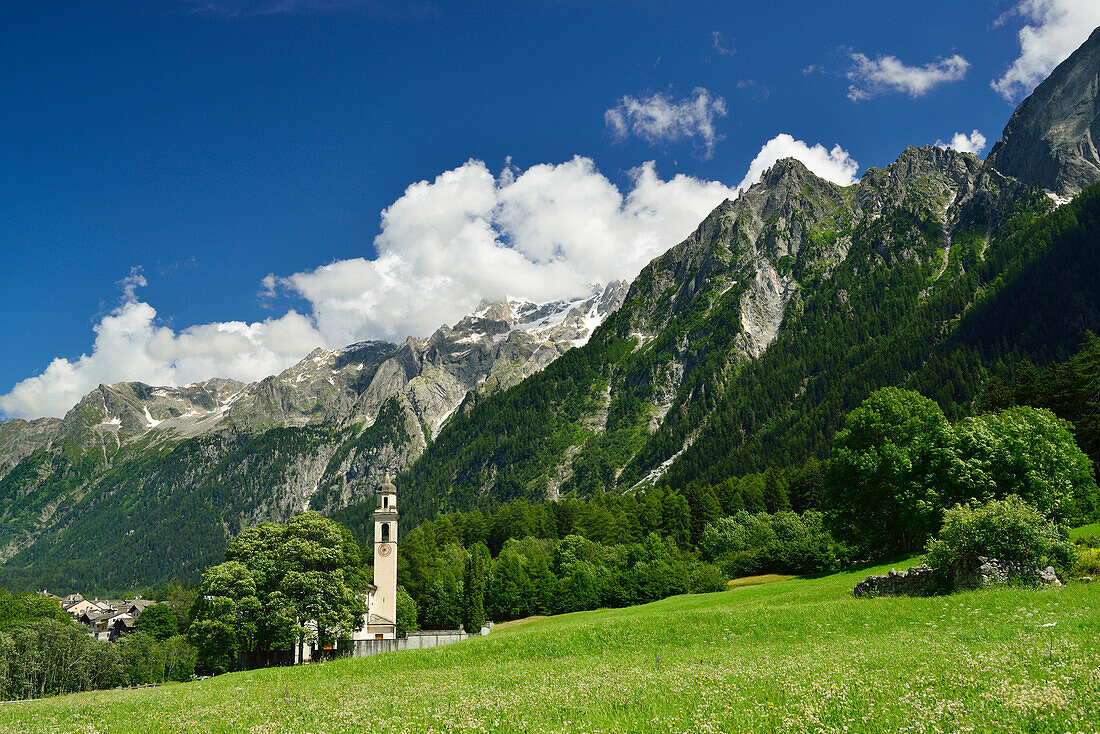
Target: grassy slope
1085	531
796	655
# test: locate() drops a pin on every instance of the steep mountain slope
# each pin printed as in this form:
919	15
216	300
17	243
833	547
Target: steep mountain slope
742	347
147	473
798	291
1052	138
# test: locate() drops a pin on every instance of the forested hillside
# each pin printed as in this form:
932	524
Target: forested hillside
914	302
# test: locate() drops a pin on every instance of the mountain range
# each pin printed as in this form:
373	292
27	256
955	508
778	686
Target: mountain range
738	349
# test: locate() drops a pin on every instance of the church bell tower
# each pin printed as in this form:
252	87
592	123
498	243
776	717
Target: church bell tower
382	621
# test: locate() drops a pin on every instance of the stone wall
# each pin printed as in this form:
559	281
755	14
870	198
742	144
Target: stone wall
991	571
417	640
917	580
987	572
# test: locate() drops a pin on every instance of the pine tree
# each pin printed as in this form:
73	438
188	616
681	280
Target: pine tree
473	589
775	491
705	509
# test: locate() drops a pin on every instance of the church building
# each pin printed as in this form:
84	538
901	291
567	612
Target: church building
380	621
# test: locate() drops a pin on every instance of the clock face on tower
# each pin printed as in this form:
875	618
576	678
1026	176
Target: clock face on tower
385	549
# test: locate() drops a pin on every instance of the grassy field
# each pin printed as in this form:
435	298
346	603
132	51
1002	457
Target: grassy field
793	655
1085	530
767	578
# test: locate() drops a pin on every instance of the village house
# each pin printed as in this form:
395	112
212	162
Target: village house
105	619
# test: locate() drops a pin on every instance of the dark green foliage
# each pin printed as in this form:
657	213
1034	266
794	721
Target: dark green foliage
887	471
1027	452
776	498
276	578
47	657
142	658
177	504
899	463
806	487
440	605
407	613
744	544
1069	388
44	652
23	608
1008	529
510	591
612	550
705	508
158	621
473	588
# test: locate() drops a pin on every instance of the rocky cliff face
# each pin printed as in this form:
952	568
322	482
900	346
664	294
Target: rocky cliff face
1051	139
19	439
793	227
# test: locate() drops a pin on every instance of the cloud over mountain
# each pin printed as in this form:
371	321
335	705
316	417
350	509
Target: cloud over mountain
871	77
1054	29
544	233
834	165
972	143
131	346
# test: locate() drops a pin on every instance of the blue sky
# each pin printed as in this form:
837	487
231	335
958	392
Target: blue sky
169	156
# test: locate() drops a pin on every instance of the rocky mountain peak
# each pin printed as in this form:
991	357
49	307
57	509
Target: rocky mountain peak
926	178
1051	139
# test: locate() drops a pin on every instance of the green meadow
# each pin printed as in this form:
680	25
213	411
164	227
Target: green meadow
791	655
1085	531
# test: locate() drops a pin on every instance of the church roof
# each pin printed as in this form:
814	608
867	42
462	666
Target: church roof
387	485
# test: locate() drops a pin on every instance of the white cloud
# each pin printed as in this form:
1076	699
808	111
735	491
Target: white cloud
544	233
834	165
130	346
972	143
871	77
1054	30
719	44
662	118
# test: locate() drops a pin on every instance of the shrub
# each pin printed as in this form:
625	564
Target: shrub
179	658
785	542
1027	452
1087	562
705	578
158	621
1008	529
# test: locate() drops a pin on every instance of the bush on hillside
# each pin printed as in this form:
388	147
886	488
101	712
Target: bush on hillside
1028	452
707	578
1087	562
746	544
1008	529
